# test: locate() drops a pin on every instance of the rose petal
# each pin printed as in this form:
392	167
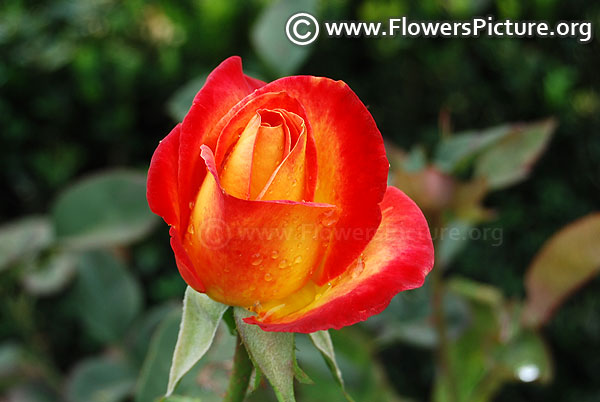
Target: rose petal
269	152
237	170
352	166
288	182
161	188
398	258
238	117
251	251
225	86
184	264
244	111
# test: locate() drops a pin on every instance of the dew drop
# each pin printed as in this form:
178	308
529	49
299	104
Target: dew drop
275	254
294	183
283	263
268	277
358	267
256	259
191	204
298	260
191	229
328	218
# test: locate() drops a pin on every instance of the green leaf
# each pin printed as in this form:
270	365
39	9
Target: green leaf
32	391
207	380
526	358
476	291
300	375
269	38
408	318
357	359
451	240
201	316
140	333
509	161
100	380
256	379
11	358
50	275
455	151
106	295
230	321
272	352
180	102
416	160
178	398
322	341
470	358
106	209
565	262
22	238
153	378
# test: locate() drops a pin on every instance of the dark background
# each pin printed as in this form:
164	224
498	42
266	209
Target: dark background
86	85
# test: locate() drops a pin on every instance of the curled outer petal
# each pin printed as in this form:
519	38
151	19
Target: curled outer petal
398	258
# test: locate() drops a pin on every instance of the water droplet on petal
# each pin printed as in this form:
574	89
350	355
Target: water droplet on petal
191	229
275	254
328	218
268	277
358	267
283	263
256	259
298	260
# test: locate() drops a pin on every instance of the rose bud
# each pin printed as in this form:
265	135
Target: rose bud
277	200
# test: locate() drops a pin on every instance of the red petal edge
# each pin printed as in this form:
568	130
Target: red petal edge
184	264
161	188
398	258
224	88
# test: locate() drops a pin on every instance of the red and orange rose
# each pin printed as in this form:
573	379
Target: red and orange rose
277	200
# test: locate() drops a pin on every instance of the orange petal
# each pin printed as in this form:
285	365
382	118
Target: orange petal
398	258
269	150
288	182
248	252
237	170
236	120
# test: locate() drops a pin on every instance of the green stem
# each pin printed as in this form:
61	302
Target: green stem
240	375
439	319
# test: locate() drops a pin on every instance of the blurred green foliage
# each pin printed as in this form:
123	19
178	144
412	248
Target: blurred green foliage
89	290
